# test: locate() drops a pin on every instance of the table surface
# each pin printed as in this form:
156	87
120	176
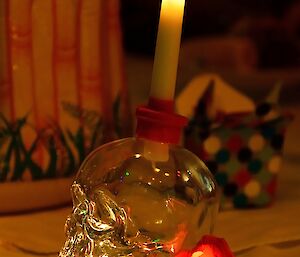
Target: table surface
274	231
269	232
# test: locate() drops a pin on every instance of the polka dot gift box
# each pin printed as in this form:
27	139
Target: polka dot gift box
240	142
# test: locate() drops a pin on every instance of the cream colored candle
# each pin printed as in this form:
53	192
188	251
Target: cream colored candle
167	49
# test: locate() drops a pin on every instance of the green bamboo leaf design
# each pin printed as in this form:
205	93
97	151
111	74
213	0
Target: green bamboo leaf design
6	161
8	155
36	170
72	162
3	139
4	120
97	135
21	164
78	142
5	132
116	115
22	156
52	166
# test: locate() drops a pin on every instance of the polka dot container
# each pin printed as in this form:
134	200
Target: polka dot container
244	152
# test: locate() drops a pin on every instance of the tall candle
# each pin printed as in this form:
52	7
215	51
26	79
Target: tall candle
167	49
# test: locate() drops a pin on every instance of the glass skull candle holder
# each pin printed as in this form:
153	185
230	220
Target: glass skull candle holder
139	197
145	196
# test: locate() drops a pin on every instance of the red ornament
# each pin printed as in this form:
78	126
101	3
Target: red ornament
242	177
235	143
209	246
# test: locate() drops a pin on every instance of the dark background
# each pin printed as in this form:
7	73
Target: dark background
273	25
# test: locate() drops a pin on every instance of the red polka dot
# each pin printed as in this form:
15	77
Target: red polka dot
235	143
242	177
272	187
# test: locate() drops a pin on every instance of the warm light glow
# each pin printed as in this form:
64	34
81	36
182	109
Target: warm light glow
185	177
176	243
156	151
172	8
208	252
178	2
204	250
197	254
208	246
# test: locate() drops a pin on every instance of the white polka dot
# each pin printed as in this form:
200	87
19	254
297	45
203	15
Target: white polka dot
256	143
274	164
212	145
252	189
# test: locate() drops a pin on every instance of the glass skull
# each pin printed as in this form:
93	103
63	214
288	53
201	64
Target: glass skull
135	197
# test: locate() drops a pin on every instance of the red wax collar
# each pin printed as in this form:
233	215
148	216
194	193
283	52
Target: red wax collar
158	122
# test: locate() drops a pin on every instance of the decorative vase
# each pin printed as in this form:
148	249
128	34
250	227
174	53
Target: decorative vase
62	94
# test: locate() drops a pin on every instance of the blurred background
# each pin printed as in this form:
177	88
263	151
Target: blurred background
258	39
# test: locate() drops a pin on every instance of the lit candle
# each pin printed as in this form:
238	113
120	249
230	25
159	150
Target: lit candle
167	49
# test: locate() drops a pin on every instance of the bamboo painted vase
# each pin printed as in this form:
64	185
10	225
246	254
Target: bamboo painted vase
62	93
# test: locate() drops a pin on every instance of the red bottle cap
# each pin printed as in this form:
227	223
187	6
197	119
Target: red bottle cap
158	122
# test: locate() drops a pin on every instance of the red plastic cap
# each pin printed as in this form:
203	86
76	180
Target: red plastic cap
158	122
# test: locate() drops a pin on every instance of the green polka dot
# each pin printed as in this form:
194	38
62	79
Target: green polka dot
255	166
222	156
266	154
221	178
232	166
246	133
240	201
264	177
223	133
